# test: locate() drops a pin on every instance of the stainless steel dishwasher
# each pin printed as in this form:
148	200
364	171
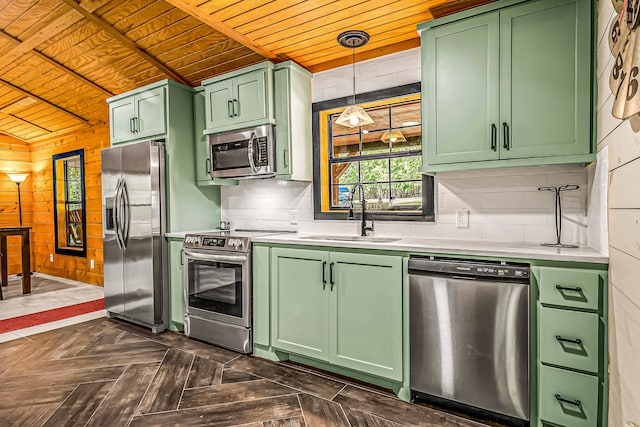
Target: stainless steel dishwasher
469	335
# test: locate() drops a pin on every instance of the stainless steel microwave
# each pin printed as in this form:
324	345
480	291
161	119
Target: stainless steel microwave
241	154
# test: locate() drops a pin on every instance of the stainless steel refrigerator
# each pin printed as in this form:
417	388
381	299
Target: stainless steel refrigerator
133	207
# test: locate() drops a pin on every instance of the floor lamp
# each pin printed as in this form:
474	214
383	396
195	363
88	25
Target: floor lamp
18	178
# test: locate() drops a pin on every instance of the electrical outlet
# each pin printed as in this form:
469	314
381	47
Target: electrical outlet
462	218
92	264
50	257
293	216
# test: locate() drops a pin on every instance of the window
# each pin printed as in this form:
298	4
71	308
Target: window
68	199
384	157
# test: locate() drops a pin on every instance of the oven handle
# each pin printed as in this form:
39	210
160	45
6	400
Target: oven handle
212	257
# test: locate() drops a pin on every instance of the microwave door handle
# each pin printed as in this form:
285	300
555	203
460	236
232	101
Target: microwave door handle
214	258
250	151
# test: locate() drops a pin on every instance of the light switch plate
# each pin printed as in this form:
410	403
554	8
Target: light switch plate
293	216
462	218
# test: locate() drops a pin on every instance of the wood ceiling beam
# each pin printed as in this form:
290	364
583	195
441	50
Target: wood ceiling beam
51	61
44	101
118	36
196	12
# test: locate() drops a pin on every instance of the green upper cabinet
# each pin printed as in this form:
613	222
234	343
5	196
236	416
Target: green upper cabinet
292	99
545	79
139	115
201	150
337	307
508	86
239	99
461	69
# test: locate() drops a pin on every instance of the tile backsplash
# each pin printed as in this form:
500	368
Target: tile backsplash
504	204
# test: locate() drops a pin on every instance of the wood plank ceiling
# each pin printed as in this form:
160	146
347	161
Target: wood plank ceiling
60	59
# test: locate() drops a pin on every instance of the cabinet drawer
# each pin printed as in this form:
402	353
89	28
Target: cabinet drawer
570	287
569	338
568	398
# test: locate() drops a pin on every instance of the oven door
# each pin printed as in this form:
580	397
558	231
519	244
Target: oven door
217	286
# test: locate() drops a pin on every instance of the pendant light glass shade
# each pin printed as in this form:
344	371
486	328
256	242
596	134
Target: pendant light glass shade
354	116
394	136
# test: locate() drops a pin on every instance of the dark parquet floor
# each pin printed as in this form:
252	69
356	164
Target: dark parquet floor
110	373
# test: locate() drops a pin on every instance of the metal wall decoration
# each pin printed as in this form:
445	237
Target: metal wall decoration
625	47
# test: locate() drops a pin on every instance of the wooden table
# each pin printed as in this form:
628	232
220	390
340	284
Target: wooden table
23	232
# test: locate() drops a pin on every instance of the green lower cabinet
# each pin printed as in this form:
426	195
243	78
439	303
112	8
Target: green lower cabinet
570	339
366	313
300	302
338	307
176	285
568	398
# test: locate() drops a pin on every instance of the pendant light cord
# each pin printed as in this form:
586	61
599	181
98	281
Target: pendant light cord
354	75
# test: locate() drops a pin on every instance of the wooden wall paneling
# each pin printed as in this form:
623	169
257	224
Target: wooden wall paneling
93	141
15	156
622	195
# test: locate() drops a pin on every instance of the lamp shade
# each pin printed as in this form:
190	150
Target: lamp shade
394	136
17	177
354	116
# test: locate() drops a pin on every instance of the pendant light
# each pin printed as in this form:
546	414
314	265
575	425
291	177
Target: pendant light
353	116
394	136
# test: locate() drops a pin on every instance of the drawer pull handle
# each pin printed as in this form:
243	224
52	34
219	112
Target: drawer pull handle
577	341
577	289
324	276
576	402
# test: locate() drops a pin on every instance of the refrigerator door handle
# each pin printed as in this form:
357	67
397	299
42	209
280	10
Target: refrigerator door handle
116	214
126	213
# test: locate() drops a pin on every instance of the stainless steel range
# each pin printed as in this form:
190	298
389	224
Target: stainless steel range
217	278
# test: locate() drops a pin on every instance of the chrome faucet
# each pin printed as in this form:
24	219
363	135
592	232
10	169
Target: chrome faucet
363	224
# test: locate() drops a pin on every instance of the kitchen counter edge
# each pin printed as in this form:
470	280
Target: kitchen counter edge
451	247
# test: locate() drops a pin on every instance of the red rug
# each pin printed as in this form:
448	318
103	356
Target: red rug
28	320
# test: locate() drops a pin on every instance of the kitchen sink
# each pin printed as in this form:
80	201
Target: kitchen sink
353	238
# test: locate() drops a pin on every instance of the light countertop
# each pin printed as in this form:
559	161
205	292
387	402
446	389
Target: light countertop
449	246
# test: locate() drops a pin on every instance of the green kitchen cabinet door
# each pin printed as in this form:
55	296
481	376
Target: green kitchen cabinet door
219	105
300	302
250	97
121	114
545	77
461	91
366	313
201	149
176	286
151	113
292	109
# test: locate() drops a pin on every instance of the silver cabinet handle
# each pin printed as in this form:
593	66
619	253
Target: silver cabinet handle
236	108
494	137
131	125
285	157
230	108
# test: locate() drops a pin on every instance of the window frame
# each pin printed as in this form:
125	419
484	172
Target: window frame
428	189
63	248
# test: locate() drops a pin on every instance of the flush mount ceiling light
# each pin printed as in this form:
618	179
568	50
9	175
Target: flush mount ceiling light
354	115
394	136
